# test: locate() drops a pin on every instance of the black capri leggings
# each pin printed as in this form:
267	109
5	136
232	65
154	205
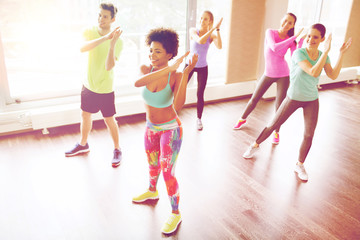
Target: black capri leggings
202	76
288	107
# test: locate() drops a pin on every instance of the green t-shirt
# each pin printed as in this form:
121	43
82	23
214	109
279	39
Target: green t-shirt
303	87
98	79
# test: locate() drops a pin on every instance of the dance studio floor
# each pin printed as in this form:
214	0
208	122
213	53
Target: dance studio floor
45	195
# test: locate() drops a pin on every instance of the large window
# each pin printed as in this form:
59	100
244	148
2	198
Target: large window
333	14
216	58
41	41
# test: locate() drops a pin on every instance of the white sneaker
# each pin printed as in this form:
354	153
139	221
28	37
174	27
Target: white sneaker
300	170
250	151
199	124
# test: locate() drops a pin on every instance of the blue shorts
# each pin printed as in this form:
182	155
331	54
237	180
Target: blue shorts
93	102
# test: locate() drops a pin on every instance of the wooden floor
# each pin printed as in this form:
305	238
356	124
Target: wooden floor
44	195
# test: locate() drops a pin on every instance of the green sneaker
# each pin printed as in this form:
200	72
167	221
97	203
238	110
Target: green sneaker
146	196
172	223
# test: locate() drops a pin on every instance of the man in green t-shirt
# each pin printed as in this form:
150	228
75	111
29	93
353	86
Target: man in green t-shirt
103	46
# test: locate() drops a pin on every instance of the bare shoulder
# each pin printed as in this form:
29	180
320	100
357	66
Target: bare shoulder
144	69
175	80
213	36
193	29
193	32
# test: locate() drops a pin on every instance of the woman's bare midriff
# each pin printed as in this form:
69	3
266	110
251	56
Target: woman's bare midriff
160	115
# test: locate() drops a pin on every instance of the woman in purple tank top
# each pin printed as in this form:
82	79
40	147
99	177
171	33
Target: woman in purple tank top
200	40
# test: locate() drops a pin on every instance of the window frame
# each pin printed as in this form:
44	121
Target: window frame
6	98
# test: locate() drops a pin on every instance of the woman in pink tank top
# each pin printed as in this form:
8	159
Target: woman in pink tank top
277	43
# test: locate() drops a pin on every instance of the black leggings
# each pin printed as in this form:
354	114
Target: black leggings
263	85
288	107
202	76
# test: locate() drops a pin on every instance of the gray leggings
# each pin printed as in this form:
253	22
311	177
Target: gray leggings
288	107
265	82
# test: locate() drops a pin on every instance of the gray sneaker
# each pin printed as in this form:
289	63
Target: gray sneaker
117	158
77	150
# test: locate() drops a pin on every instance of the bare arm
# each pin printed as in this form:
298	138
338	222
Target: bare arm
148	78
88	45
110	59
333	73
181	85
203	38
216	37
316	69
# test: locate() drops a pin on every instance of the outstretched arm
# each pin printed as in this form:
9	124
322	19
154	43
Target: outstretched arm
270	39
180	87
333	73
110	60
153	76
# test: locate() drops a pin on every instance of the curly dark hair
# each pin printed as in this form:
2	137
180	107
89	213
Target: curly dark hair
167	37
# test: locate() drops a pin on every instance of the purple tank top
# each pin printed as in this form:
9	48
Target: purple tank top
201	50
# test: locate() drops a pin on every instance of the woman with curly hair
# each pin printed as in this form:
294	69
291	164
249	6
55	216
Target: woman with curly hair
164	93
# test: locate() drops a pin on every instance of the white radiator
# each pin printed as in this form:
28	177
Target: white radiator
60	115
346	74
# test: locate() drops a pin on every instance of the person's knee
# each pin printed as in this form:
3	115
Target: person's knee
109	120
200	101
253	102
200	95
168	175
308	136
111	123
86	116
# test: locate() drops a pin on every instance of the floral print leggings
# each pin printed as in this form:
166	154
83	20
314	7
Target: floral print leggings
162	146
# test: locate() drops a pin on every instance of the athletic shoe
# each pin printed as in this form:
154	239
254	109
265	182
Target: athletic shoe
276	138
172	223
77	150
240	124
300	170
199	124
148	195
250	151
117	158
